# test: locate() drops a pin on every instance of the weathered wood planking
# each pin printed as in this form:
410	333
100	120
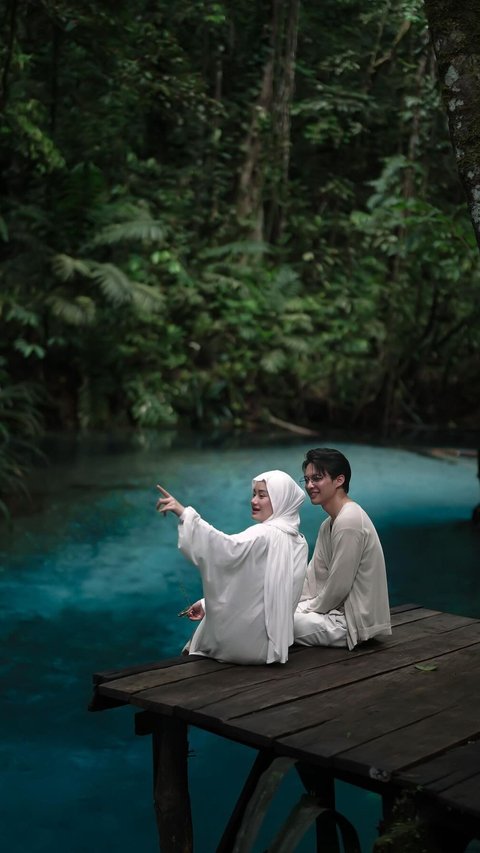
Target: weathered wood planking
371	714
221	694
453	778
181	669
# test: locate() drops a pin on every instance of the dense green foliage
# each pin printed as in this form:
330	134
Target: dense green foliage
188	239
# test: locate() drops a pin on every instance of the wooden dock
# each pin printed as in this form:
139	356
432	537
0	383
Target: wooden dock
400	717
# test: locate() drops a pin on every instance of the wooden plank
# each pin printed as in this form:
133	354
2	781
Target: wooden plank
397	689
178	660
389	703
229	702
238	704
305	659
464	796
432	619
414	743
330	722
251	695
399	617
131	684
446	770
121	683
449	619
166	698
111	674
404	616
367	715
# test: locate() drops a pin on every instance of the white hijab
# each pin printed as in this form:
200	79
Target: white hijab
286	498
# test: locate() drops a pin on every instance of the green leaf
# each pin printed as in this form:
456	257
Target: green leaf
143	229
78	312
426	667
65	267
114	284
27	349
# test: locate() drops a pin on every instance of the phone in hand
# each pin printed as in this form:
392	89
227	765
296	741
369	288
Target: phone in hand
184	612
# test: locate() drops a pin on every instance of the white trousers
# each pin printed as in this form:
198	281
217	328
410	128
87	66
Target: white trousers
320	629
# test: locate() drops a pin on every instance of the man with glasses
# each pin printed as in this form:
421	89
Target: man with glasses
345	597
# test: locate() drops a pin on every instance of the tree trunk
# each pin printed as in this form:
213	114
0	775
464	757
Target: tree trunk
286	30
11	27
251	181
267	146
455	32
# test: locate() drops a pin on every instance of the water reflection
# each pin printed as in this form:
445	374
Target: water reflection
93	579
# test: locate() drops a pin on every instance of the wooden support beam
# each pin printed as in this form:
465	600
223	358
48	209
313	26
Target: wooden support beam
299	820
171	797
259	803
145	723
261	763
321	783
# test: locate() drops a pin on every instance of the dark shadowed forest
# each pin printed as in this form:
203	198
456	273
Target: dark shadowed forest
222	214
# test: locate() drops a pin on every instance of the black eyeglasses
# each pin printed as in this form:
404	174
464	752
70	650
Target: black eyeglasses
315	478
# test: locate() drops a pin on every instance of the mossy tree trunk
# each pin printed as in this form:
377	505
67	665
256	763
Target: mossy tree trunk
455	31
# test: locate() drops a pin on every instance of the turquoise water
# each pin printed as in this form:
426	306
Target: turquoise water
93	580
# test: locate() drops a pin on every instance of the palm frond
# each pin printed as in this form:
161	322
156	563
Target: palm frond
146	298
287	281
76	312
65	267
142	228
114	284
21	425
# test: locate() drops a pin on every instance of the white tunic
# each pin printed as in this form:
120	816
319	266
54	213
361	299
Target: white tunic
252	581
347	573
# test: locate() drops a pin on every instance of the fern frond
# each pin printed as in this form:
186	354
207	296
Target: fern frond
114	284
247	247
65	267
146	298
273	361
299	346
143	229
77	312
287	280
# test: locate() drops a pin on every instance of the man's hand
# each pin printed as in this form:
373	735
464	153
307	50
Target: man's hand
168	503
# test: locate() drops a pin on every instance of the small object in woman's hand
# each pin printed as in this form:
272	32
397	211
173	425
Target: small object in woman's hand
184	612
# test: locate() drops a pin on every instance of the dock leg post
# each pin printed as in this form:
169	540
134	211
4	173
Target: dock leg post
322	785
262	762
388	803
170	786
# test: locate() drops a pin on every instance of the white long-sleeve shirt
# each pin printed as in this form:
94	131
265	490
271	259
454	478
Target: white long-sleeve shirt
233	569
347	573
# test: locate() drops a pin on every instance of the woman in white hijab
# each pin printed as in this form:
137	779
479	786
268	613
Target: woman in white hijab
252	581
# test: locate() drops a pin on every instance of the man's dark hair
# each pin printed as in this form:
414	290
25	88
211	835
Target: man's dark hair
325	460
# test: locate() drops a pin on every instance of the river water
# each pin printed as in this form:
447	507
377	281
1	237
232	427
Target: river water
91	579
